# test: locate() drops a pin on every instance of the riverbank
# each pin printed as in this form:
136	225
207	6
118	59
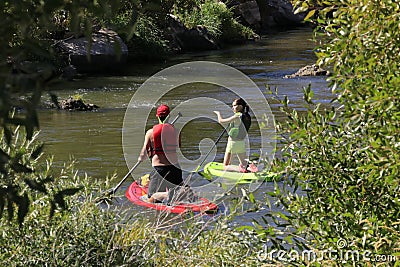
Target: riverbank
161	34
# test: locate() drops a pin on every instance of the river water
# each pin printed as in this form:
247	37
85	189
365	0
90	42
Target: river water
94	139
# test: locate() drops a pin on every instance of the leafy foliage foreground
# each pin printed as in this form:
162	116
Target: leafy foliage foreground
342	163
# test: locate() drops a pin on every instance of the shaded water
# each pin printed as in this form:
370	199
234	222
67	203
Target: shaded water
94	138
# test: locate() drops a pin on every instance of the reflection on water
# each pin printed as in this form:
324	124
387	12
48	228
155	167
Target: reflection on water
94	138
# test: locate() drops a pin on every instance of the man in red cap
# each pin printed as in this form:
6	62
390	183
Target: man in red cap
160	145
162	111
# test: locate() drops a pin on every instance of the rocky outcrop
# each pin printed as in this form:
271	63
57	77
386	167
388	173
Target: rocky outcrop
195	39
73	104
106	50
263	15
249	13
279	13
309	70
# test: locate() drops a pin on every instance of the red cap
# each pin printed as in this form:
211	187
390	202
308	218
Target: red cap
162	111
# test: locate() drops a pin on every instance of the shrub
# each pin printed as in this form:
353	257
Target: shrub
341	164
22	179
217	18
65	225
144	39
95	234
27	65
54	225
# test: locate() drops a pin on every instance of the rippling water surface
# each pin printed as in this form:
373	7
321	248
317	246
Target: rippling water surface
94	139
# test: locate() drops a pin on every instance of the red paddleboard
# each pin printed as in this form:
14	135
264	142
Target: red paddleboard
136	191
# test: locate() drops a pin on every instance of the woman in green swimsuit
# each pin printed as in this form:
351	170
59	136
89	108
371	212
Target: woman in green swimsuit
239	124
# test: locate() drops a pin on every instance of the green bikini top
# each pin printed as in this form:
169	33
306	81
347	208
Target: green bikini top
239	132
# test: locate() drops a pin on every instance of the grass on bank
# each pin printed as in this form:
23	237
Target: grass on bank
217	18
149	38
82	232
